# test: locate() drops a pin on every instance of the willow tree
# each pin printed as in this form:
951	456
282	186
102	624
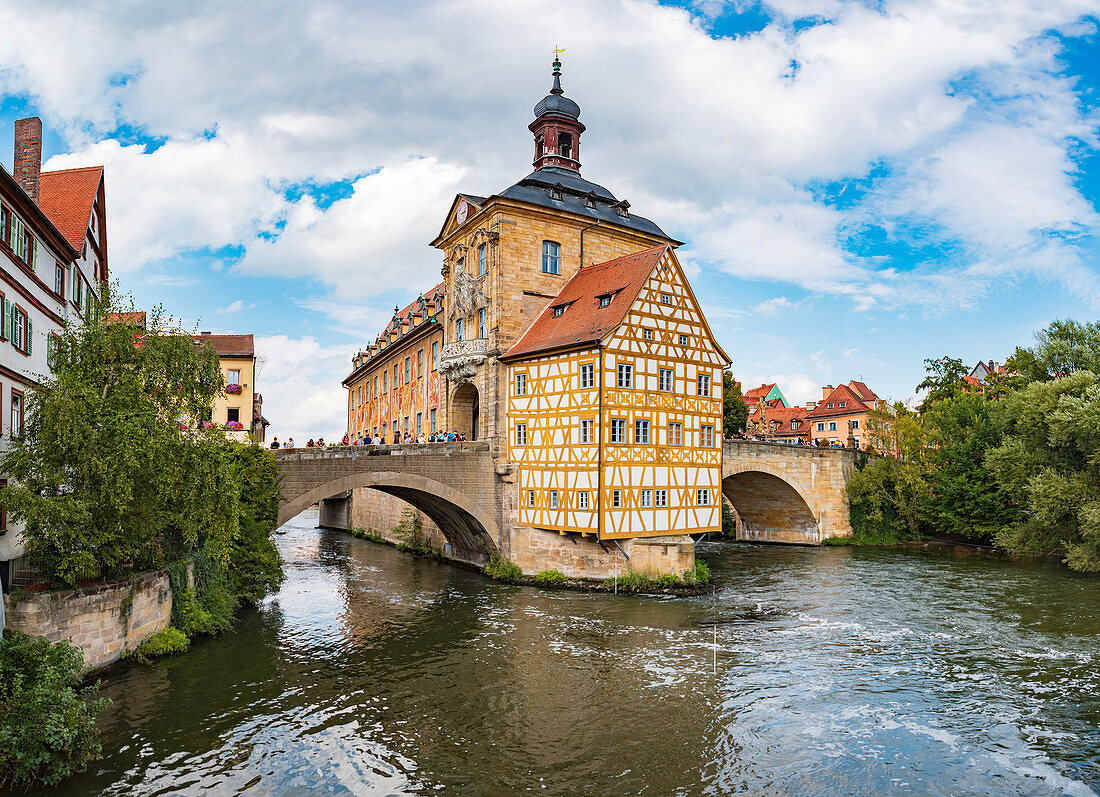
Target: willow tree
110	472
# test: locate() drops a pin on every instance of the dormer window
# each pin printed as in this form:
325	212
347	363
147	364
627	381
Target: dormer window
794	424
605	300
829	405
844	403
565	145
623	208
554	192
559	311
590	201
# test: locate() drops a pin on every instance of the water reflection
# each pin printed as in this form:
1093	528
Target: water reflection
838	672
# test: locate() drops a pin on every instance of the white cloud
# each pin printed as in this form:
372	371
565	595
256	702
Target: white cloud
302	399
775	306
236	307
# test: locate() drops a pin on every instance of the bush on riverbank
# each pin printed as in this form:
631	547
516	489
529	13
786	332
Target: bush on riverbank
550	578
501	569
47	724
169	642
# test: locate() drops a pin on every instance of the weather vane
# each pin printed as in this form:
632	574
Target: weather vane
559	51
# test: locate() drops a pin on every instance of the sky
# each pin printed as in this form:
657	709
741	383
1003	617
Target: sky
859	185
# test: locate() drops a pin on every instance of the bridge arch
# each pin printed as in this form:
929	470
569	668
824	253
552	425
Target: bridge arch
771	504
468	528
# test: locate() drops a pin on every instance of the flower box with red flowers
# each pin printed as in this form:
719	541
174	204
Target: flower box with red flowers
233	389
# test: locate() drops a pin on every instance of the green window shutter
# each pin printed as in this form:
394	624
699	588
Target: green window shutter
30	334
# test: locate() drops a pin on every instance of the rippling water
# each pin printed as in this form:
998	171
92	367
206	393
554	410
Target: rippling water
836	672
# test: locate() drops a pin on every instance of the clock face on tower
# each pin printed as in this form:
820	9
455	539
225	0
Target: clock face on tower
462	212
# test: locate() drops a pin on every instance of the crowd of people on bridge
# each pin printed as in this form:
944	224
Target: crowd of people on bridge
377	440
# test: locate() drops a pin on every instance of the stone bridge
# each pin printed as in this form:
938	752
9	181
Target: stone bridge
780	493
785	493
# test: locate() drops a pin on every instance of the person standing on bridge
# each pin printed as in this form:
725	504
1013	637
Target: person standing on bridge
289	443
275	442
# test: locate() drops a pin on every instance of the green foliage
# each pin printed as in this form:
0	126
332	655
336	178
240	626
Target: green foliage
169	642
410	534
1050	462
729	521
368	534
735	413
630	581
1063	349
699	575
944	379
884	501
47	724
501	569
550	578
255	567
103	474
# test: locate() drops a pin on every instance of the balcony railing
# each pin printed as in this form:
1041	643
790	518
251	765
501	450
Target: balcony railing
462	348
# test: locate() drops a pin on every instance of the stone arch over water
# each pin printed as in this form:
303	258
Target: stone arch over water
771	506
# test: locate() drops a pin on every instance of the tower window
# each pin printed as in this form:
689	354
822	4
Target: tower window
551	254
539	148
565	145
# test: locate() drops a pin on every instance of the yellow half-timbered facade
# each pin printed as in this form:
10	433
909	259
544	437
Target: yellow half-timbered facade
615	405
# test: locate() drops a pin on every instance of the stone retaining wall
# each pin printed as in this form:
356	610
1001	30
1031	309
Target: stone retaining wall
97	619
535	550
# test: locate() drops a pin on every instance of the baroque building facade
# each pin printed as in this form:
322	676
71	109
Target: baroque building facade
508	260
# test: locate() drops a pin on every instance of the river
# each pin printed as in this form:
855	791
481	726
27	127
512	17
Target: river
837	671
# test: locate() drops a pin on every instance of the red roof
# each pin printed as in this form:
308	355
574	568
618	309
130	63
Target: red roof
66	197
229	345
853	401
785	415
134	319
754	395
583	320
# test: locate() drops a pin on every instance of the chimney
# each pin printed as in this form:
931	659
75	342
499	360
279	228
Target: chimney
825	391
28	155
205	332
811	405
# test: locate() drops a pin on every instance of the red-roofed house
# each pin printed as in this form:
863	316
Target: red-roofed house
615	410
240	410
829	419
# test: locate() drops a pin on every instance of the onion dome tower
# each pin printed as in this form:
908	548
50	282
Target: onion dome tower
557	128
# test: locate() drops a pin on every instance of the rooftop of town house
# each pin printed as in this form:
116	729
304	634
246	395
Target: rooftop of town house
784	416
66	197
844	400
228	345
431	300
135	319
753	395
575	318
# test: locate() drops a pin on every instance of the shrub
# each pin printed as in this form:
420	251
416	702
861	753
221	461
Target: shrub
501	569
667	581
255	567
47	726
630	581
699	575
168	642
729	522
550	578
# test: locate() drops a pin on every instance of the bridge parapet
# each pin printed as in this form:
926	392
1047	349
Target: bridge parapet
395	449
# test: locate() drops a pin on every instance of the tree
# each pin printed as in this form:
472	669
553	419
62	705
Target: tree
943	380
1063	348
109	473
734	411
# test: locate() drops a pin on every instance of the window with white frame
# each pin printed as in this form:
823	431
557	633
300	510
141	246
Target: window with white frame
683	340
419	363
551	253
59	280
660	497
706	436
616	499
647	334
646	498
419	423
435	354
605	300
553	499
460	328
432	421
855	424
521	384
234	376
521	434
702	497
483	259
664	380
16	427
675	434
482	324
530	498
617	432
582	499
641	432
666	299
821	427
832	426
702	385
626	375
587	376
587	425
20	330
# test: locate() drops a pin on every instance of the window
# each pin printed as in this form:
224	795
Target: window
647	498
3	512
435	354
550	256
702	385
647	334
384	374
618	430
641	432
521	384
706	436
408	370
235	376
553	499
419	423
702	497
605	300
582	499
5	222
565	145
829	405
855	424
521	434
664	380
616	499
587	380
626	375
406	424
844	404
482	325
832	426
559	311
21	329
683	340
675	434
420	363
233	415
794	423
666	299
821	427
661	497
16	427
460	324
531	498
586	430
483	259
59	280
433	428
53	346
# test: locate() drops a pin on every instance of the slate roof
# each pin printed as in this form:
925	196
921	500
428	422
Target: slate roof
228	345
66	197
578	196
584	322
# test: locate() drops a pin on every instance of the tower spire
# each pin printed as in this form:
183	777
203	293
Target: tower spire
557	72
557	126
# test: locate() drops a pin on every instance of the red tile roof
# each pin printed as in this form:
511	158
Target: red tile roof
229	345
853	401
66	197
754	395
135	319
584	321
784	416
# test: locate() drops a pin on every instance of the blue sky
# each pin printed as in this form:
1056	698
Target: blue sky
860	186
